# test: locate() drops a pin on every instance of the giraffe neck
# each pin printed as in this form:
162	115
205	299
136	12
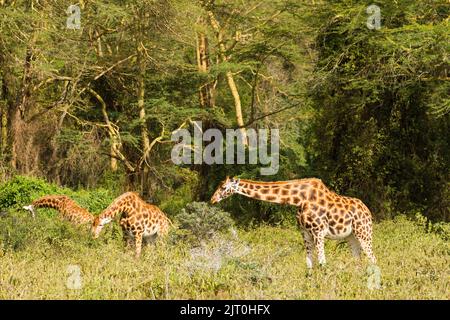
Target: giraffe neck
54	202
119	205
291	192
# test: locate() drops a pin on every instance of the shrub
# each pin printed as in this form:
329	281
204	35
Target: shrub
202	221
22	190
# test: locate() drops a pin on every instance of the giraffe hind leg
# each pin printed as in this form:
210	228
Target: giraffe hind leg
128	239
319	242
364	237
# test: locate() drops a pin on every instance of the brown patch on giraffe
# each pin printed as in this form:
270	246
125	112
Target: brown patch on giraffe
264	191
284	192
303	186
303	195
322	202
271	198
312	195
285	200
294	192
276	190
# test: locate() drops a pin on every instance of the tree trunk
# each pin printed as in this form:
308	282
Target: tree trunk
206	91
230	79
142	119
4	132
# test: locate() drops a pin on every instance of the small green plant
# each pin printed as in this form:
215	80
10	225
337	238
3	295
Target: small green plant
21	190
202	221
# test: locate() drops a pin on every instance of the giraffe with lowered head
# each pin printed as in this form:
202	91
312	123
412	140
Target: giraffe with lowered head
321	212
68	209
139	220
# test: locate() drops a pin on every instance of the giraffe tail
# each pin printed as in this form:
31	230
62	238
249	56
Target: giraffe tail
31	209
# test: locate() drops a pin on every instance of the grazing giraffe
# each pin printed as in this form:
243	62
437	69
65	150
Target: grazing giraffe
139	219
321	212
68	209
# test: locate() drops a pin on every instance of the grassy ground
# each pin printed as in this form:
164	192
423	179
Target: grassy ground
39	259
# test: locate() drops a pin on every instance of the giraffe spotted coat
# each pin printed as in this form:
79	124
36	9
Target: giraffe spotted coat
321	212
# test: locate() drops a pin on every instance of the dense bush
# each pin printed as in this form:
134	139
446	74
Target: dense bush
202	221
23	190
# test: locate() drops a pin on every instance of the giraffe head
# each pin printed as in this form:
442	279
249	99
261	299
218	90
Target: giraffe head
98	225
226	188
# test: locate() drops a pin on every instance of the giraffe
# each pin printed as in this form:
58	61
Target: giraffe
139	219
321	212
68	209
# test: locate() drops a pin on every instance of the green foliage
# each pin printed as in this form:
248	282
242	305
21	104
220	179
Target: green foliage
376	134
22	190
202	220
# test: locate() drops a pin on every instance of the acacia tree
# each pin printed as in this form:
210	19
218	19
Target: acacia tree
376	93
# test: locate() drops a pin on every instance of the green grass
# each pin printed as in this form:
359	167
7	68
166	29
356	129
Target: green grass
263	263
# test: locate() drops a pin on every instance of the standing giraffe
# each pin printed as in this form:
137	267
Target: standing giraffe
321	212
139	219
68	209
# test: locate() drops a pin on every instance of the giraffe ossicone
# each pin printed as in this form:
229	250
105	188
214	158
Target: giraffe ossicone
321	212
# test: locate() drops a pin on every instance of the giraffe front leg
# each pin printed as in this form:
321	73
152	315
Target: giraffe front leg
309	247
354	245
138	243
